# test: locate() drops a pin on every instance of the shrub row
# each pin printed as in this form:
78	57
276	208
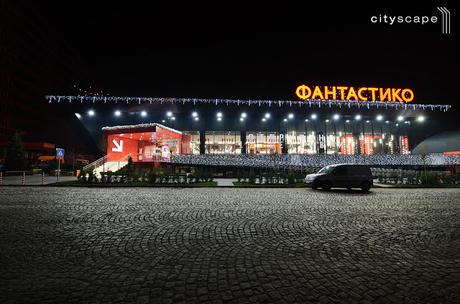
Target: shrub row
151	177
420	178
269	177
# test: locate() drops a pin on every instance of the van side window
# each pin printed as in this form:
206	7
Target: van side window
341	170
358	170
355	170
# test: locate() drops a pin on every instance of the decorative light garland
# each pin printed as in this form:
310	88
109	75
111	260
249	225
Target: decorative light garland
308	102
139	126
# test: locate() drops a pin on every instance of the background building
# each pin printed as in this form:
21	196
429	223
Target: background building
259	127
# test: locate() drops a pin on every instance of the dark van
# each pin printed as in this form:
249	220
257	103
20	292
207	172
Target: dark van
341	176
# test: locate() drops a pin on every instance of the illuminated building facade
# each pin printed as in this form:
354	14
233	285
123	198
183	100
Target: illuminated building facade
223	126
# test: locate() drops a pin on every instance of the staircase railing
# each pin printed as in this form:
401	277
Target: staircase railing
103	160
95	164
123	159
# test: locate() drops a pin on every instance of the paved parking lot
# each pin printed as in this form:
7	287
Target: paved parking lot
140	245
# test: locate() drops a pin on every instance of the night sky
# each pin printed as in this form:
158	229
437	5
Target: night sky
254	52
260	51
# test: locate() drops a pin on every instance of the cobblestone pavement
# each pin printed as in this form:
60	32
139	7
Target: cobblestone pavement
140	245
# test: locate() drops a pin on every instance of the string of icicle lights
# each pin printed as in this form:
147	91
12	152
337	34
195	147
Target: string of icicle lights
308	102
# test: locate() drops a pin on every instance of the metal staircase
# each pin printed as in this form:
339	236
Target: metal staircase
102	165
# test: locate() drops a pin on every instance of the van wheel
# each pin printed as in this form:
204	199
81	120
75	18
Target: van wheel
326	185
315	185
365	186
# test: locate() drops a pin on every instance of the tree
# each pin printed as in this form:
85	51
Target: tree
238	175
129	167
252	176
152	177
423	156
15	154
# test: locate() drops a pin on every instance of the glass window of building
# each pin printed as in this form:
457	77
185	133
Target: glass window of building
191	142
293	142
347	144
404	144
222	142
262	143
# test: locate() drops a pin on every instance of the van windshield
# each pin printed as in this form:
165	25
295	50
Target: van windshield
326	170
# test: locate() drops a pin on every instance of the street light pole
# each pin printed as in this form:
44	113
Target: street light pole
316	137
335	138
59	169
346	139
372	132
325	135
382	138
306	137
391	151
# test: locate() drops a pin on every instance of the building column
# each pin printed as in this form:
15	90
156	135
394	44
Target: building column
356	145
243	142
202	142
283	142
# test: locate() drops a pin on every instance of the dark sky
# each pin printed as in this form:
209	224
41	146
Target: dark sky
258	51
236	50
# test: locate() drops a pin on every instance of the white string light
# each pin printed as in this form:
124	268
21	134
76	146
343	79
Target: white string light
309	102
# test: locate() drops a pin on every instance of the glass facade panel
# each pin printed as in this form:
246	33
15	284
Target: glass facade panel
404	144
340	143
345	143
262	143
347	146
222	142
191	142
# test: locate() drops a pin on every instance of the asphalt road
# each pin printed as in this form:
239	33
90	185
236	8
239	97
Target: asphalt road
228	245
